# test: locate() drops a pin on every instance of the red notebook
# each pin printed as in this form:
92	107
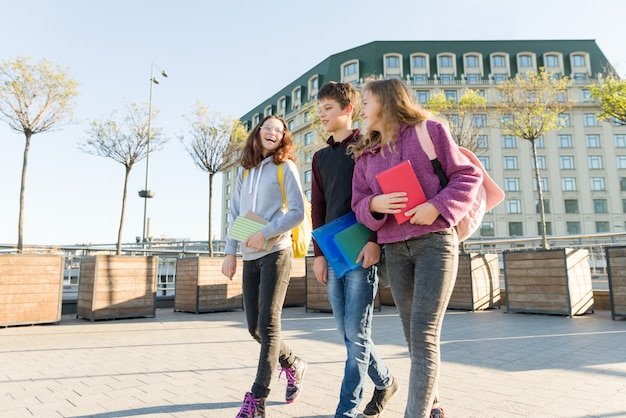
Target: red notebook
402	178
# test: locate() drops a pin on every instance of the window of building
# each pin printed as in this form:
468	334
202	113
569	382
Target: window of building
590	119
471	61
485	161
307	177
392	61
541	162
571	205
564	120
568	184
586	95
446	78
593	141
269	110
567	162
622	184
565	141
480	120
544	184
451	95
282	106
256	119
600	206
516	229
602	226
290	125
307	194
511	184
445	61
578	60
308	138
227	203
621	161
419	79
551	61
418	61
510	162
472	78
308	157
624	205
540	143
499	78
548	228
422	96
573	228
228	186
453	119
595	162
620	141
229	174
513	206
546	206
597	183
487	229
525	61
498	61
482	141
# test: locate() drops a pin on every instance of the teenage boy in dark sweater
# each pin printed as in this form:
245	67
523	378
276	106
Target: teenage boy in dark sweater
351	296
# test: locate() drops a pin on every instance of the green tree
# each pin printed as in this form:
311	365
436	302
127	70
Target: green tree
34	98
125	140
531	105
462	116
213	141
611	96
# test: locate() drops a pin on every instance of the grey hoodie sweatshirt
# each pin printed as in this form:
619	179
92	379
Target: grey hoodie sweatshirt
260	193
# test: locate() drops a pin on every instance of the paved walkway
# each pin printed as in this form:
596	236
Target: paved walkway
185	365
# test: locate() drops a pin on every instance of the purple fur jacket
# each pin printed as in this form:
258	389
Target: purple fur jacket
453	201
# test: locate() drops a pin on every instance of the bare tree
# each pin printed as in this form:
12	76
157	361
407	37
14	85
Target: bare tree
463	116
213	141
531	105
34	98
125	141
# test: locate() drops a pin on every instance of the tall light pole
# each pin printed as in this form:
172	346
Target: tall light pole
146	193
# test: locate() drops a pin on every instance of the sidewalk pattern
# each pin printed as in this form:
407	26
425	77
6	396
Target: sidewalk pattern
185	365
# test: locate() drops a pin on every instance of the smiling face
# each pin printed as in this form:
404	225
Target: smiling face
370	112
271	135
332	116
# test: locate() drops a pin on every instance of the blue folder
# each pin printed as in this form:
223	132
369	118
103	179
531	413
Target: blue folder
341	242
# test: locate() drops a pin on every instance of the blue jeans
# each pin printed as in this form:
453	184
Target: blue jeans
424	272
352	300
265	282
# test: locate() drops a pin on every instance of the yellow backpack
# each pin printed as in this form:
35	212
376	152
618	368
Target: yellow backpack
301	234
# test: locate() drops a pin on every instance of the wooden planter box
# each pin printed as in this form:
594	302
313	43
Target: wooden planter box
296	292
317	295
616	263
385	296
201	286
556	281
477	284
31	289
113	287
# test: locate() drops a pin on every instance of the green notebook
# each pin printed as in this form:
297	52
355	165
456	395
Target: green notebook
351	241
246	225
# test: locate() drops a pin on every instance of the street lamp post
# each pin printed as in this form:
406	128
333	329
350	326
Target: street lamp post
146	193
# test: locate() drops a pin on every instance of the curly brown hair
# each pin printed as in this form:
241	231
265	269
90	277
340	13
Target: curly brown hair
396	106
252	152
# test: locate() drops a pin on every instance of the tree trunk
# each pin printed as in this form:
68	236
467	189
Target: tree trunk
119	232
544	233
210	240
20	223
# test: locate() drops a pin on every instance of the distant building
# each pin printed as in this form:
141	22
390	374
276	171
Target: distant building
583	165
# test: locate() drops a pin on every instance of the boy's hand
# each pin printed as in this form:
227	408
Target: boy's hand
320	267
370	255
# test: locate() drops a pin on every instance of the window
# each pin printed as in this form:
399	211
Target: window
540	143
308	157
227	203
600	206
544	184
573	228
418	62
564	120
586	95
484	160
568	184
620	141
513	206
516	229
482	141
567	162
419	79
510	162
446	78
307	177
621	161
624	205
498	61
422	96
480	120
307	194
548	228
571	205
602	226
392	62
472	78
590	119
525	61
499	78
595	162
511	184
451	95
228	186
290	125
565	141
282	105
578	60
546	206
350	69
593	141
229	174
445	61
622	184
541	162
471	61
551	61
308	138
487	230
453	119
597	183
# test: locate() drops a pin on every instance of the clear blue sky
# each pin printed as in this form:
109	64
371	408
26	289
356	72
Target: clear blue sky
231	55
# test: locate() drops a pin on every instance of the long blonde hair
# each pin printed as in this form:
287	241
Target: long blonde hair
396	106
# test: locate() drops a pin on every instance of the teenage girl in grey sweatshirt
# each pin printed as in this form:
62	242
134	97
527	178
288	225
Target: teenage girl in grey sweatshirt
266	271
